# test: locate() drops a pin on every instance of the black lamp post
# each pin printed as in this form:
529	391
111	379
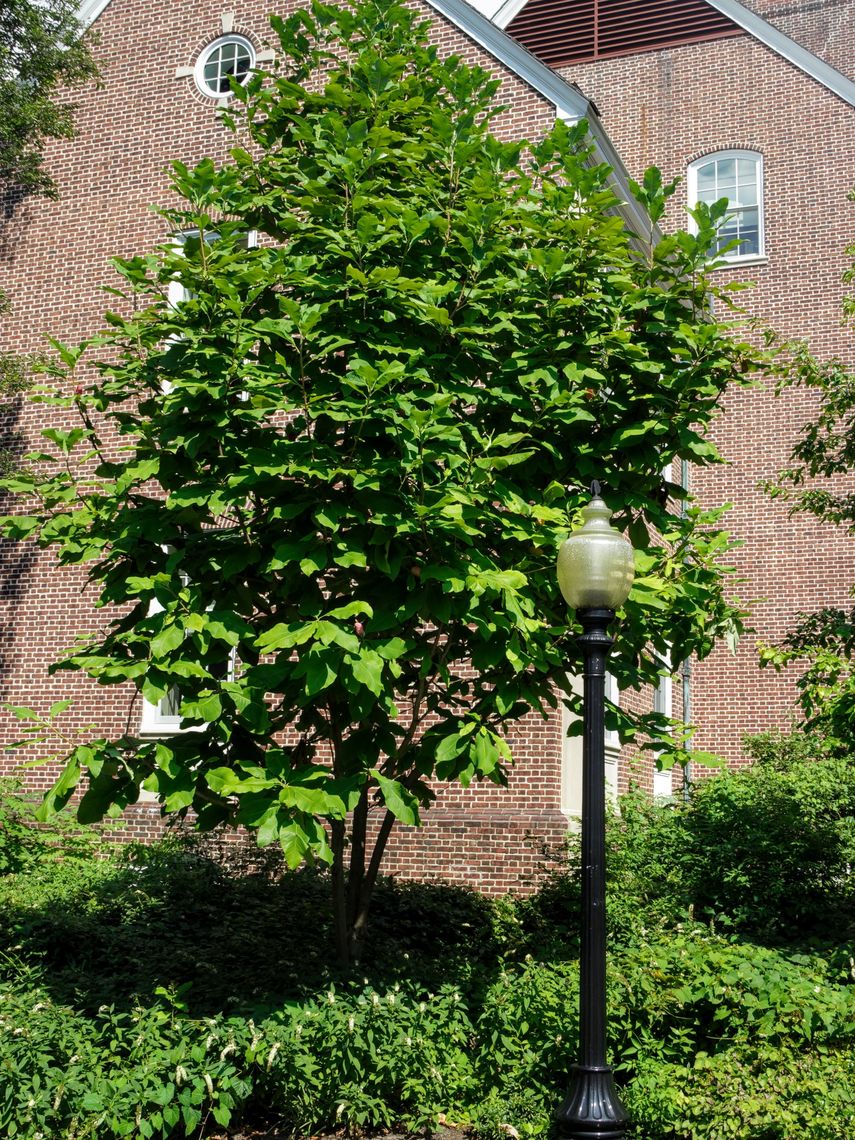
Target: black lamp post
595	572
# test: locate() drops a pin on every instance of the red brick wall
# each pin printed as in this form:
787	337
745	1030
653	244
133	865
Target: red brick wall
823	27
55	260
667	108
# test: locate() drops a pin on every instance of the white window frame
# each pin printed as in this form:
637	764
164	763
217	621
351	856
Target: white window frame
205	55
154	722
733	256
663	702
571	753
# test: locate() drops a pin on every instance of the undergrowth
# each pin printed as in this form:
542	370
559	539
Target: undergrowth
152	992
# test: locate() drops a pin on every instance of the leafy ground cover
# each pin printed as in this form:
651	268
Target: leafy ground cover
153	993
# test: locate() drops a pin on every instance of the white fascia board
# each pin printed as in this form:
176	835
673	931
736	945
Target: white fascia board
489	8
633	213
506	10
788	49
88	11
568	99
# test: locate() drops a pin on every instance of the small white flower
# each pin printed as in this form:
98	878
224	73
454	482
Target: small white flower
350	1024
375	1000
180	1074
274	1049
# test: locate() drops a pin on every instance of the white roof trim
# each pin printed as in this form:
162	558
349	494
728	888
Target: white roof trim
505	11
788	49
88	11
567	98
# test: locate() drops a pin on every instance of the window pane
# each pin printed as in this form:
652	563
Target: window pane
749	232
711	195
726	169
706	179
746	171
171	703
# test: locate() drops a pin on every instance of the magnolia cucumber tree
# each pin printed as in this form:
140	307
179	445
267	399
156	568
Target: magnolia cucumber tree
321	496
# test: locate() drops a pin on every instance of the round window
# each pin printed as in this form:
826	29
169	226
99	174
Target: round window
230	57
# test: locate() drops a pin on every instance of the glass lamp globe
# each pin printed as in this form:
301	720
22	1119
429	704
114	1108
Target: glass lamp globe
595	564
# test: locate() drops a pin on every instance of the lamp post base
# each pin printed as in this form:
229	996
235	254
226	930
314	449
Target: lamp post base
593	1108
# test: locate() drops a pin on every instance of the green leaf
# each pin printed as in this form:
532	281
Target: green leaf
170	638
367	668
400	802
62	790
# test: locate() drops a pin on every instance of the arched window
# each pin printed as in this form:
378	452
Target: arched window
738	176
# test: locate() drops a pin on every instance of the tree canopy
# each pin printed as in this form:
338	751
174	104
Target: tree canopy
345	459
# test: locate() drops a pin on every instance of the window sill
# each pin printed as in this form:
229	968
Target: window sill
739	262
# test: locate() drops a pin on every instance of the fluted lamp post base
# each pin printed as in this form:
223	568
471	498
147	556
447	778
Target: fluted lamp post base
593	1108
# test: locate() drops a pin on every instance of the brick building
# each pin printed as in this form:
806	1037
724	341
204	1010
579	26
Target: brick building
754	103
723	86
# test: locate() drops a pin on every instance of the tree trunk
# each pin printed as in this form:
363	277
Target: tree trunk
353	891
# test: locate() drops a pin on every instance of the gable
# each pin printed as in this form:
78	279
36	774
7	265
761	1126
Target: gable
576	31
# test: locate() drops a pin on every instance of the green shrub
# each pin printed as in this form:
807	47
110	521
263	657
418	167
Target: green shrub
169	914
238	1015
746	1094
775	848
146	1073
360	1058
527	1029
25	844
766	851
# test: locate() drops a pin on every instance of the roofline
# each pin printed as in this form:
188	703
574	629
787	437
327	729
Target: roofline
767	34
